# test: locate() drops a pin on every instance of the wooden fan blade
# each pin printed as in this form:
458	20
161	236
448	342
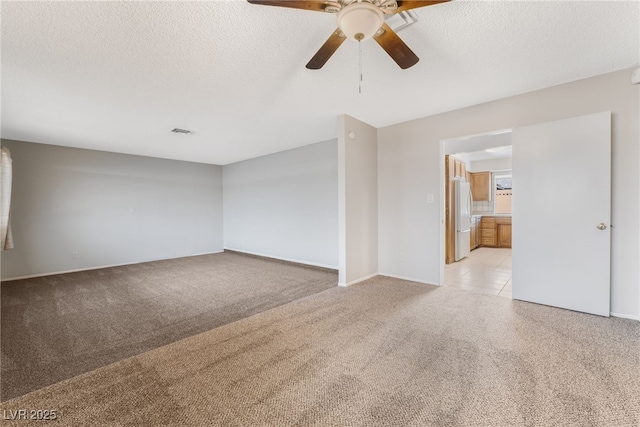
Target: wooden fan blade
328	48
412	4
316	5
396	48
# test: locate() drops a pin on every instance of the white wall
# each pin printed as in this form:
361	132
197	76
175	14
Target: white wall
410	166
470	144
358	200
69	200
490	165
285	205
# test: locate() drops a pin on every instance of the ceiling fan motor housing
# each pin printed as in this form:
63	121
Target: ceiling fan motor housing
360	21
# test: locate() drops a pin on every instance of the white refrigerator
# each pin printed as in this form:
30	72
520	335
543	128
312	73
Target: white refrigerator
463	202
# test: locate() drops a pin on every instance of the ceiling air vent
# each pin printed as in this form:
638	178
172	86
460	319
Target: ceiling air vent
181	131
401	20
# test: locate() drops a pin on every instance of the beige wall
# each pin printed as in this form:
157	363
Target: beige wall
410	161
357	200
284	205
110	208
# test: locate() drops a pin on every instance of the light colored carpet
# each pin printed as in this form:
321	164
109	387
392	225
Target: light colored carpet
384	352
60	326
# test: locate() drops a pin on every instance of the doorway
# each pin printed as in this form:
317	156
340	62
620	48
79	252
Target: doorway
485	271
562	255
484	162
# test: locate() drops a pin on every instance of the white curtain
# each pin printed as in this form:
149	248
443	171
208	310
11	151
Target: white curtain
6	174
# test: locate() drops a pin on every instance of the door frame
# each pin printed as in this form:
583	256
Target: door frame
442	187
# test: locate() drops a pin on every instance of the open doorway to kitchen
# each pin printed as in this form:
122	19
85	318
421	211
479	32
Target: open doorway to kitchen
477	210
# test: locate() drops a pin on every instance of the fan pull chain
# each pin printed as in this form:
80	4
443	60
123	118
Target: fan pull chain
360	83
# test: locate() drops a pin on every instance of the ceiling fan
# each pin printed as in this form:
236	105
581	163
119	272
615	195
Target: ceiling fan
359	20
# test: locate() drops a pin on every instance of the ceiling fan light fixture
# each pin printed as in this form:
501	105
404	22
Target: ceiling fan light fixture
360	21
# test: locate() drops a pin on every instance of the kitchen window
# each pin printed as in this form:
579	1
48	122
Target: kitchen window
503	193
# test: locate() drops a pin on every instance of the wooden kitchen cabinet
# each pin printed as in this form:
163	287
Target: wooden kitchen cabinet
457	169
475	232
460	169
496	231
481	186
488	231
503	232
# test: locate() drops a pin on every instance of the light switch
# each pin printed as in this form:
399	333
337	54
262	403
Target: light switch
430	198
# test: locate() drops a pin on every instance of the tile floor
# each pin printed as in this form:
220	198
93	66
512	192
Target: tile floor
485	271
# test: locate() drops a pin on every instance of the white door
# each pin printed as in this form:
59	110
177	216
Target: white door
562	210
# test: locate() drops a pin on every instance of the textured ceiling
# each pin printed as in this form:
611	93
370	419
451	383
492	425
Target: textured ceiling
118	76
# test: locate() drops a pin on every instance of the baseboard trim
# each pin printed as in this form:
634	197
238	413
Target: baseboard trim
77	270
625	316
362	279
313	264
409	279
203	253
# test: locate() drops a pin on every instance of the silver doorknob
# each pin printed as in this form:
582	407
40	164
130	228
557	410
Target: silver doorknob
602	226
